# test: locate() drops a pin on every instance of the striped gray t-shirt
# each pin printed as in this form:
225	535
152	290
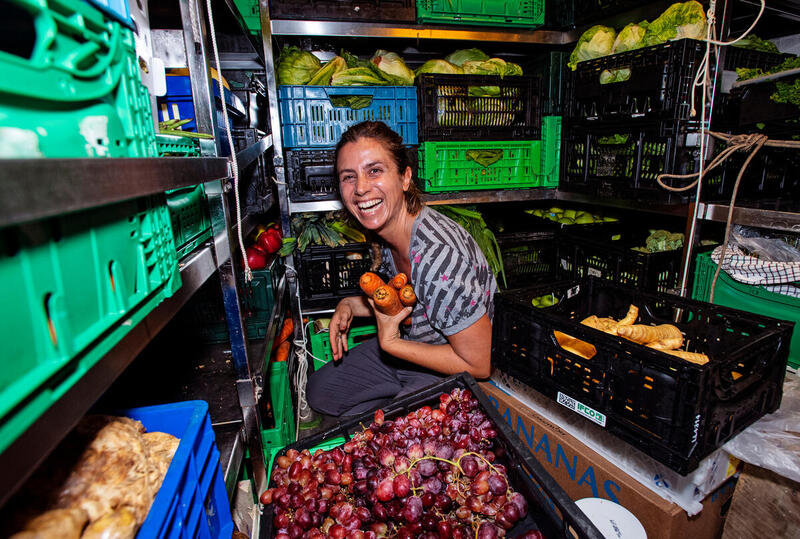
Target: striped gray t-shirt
450	275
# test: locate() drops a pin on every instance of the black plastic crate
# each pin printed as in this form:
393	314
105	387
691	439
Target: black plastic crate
310	174
659	88
758	113
624	161
606	252
551	68
751	59
550	509
448	112
570	13
345	10
675	411
774	173
528	257
327	274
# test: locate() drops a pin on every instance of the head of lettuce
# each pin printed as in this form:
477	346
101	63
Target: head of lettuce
296	66
595	42
679	21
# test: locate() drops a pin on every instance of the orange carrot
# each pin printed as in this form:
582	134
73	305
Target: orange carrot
282	353
369	282
286	332
387	301
399	281
407	296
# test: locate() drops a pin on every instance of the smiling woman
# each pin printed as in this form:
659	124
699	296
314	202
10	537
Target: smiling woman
451	322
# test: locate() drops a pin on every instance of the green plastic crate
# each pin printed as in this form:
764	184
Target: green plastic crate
750	298
250	14
189	214
516	13
280	393
321	343
75	89
177	146
446	166
551	151
75	286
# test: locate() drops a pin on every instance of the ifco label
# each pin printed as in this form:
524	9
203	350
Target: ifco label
582	409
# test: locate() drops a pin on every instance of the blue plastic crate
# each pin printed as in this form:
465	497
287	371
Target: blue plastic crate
177	103
116	8
192	501
310	120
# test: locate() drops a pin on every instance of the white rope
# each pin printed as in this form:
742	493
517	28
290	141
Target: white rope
248	274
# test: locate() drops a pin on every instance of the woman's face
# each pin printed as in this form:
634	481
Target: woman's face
371	187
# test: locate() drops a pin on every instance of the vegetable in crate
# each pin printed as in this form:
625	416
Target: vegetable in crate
678	21
296	66
432	469
595	42
391	64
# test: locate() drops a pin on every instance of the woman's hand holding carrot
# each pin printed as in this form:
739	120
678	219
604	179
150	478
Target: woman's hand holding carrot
338	328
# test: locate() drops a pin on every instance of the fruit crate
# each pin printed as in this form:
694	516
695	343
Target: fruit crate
76	285
316	116
528	257
282	431
750	298
624	161
177	104
449	110
607	252
451	166
347	10
310	174
550	509
188	212
551	69
505	13
192	498
256	298
72	87
659	87
673	410
321	342
328	274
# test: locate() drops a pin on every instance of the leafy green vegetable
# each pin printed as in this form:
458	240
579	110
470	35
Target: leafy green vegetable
392	64
595	42
681	20
631	37
752	73
323	76
472	221
466	55
613	139
357	76
610	76
439	66
354	102
661	240
485	157
787	92
296	66
755	43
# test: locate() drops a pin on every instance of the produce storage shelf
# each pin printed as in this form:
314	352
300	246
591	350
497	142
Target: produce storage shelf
676	411
348	10
23	455
414	31
775	219
38	188
327	274
549	508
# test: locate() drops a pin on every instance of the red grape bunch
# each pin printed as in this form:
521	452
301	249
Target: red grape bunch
429	474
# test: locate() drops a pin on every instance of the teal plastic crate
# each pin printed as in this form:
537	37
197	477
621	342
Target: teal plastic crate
460	166
75	89
754	299
280	394
75	286
188	212
551	151
512	13
321	342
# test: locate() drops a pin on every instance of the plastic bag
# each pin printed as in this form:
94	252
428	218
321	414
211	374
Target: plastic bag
773	442
770	249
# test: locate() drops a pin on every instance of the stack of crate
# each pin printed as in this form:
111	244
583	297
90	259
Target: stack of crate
76	283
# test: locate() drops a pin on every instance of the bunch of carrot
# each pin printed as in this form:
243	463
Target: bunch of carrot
389	298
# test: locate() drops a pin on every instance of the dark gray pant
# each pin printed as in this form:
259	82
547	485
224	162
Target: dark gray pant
365	379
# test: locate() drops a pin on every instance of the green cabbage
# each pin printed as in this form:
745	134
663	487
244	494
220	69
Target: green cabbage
439	66
595	42
681	20
631	37
466	55
296	66
393	65
323	76
357	76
